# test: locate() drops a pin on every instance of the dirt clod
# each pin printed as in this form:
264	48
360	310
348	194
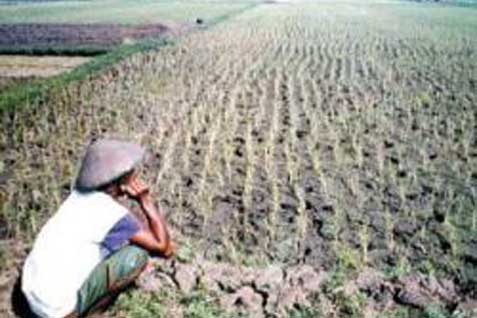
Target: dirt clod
304	277
220	277
244	300
420	291
186	277
405	228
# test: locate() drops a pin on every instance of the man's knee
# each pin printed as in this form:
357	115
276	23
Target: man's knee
132	258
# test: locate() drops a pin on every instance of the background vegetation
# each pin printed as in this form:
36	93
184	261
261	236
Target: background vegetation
116	11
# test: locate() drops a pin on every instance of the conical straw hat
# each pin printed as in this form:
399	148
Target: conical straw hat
105	161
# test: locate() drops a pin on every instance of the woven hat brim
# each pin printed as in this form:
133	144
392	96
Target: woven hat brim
105	161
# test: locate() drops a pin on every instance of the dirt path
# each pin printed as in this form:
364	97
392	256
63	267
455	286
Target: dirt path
19	66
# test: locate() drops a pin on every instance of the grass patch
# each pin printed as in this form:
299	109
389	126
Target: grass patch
126	12
63	50
139	304
200	305
230	14
303	312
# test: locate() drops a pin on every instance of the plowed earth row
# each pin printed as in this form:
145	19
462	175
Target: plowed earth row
75	34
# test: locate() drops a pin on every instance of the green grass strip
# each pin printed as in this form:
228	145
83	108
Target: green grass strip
231	14
56	50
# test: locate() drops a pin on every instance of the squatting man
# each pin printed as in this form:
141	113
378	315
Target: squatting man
93	247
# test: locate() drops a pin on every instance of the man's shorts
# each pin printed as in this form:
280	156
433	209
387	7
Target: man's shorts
111	276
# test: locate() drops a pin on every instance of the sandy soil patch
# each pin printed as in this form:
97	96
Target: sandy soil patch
36	66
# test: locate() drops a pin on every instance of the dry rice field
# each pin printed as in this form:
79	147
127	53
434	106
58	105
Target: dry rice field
329	134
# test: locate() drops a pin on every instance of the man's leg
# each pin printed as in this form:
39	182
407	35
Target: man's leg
109	278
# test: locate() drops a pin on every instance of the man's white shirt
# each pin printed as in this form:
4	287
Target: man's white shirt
87	228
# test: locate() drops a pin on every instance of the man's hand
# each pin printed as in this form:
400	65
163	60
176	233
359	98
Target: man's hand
171	250
156	237
134	187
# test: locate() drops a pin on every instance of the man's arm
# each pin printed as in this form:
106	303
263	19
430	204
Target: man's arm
147	240
156	237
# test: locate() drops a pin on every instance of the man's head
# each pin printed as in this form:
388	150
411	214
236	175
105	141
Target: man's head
116	188
107	164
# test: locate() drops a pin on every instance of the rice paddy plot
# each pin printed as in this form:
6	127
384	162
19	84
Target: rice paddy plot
331	134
